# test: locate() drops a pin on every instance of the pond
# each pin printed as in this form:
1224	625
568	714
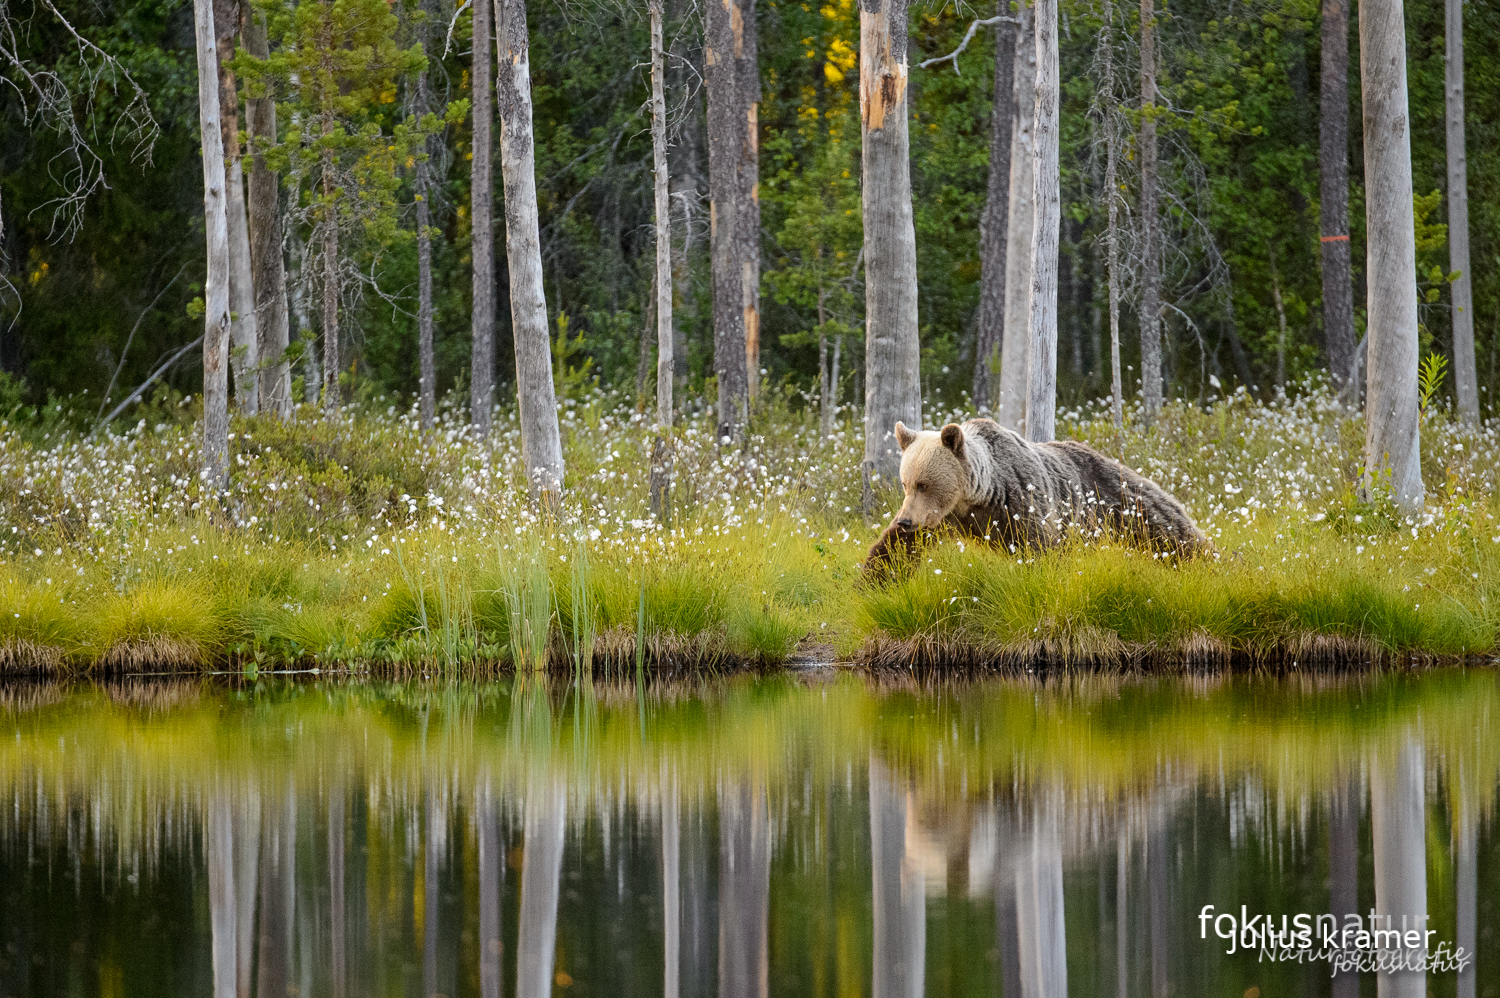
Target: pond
785	835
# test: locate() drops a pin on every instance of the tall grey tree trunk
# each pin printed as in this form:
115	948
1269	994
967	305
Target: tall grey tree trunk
1041	352
661	451
1392	441
1398	818
1465	377
331	291
686	158
242	331
1151	387
733	81
482	199
898	894
1333	191
541	865
216	223
427	378
1280	323
893	389
267	269
990	323
1010	408
1112	226
541	440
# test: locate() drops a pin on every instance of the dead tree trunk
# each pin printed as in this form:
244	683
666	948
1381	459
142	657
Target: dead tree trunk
332	286
1010	409
242	324
1151	387
267	269
990	323
482	250
734	207
893	388
661	451
1392	443
427	380
686	159
1333	191
1465	377
1041	363
541	440
216	287
1112	230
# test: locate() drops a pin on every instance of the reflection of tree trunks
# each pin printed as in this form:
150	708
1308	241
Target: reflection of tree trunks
431	861
246	859
1039	914
744	891
1156	874
1007	934
1343	870
900	896
1467	875
277	898
541	865
698	976
671	868
218	830
491	869
336	891
1122	913
1397	811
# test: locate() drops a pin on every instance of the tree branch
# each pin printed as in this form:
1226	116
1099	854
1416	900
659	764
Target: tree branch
968	37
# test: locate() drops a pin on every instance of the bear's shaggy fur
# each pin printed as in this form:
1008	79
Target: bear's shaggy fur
988	482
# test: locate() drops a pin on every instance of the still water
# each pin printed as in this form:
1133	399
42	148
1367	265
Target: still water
744	837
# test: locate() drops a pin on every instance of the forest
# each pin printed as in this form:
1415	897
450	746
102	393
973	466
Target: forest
103	243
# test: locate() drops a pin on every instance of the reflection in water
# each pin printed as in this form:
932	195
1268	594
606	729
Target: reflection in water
747	838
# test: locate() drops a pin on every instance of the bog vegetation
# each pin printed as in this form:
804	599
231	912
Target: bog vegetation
360	543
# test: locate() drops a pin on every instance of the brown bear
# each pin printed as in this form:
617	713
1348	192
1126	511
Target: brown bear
989	483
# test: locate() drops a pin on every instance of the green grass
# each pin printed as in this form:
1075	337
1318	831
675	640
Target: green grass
362	544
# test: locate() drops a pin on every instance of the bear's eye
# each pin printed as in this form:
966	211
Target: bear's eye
921	486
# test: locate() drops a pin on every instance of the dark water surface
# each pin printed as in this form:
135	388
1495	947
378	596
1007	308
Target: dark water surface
746	837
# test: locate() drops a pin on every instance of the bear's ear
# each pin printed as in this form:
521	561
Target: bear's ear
953	439
904	437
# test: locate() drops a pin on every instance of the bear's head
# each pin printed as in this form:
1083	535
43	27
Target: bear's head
934	475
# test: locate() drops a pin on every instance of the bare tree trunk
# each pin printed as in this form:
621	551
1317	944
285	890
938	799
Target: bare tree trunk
1151	387
686	158
1398	819
1041	353
1465	376
242	333
990	323
312	372
267	269
1010	408
482	199
216	287
1112	230
332	287
1333	190
541	440
427	383
1280	324
661	451
1392	441
893	389
734	209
